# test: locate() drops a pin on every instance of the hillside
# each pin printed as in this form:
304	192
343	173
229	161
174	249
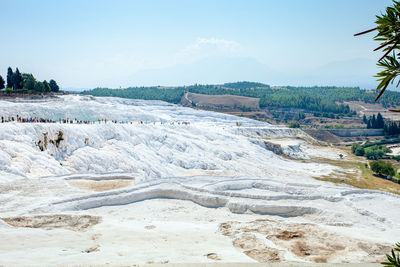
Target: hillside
311	106
319	99
220	102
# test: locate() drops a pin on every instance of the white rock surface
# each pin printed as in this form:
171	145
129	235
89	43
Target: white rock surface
225	169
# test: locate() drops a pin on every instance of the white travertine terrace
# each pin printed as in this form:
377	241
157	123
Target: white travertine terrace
217	161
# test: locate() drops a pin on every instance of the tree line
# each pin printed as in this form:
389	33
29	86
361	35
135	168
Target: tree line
377	122
25	82
392	128
322	101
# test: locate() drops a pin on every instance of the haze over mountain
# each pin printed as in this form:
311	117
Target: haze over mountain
217	69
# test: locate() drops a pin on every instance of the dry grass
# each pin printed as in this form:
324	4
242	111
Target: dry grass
231	101
370	109
358	174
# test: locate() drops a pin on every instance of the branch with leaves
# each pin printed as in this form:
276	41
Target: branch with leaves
393	259
388	28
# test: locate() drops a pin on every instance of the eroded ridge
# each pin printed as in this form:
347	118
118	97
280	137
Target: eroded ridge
242	195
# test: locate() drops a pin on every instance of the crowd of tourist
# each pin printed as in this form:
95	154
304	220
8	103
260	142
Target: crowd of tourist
20	119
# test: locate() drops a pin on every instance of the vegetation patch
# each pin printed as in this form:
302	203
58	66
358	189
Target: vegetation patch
18	82
358	174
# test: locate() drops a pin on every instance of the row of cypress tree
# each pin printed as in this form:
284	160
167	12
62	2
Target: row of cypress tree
20	82
392	128
377	122
374	122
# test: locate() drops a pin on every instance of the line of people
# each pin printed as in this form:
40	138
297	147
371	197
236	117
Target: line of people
20	119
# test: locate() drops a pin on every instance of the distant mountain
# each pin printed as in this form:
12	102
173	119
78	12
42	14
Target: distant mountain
355	72
216	70
212	70
70	89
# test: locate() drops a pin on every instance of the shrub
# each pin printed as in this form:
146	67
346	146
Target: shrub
374	154
357	149
381	167
376	151
294	124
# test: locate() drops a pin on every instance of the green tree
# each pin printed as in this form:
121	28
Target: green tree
382	168
380	123
39	88
29	81
26	76
373	122
365	119
17	80
373	154
54	86
10	78
2	83
46	87
395	128
357	149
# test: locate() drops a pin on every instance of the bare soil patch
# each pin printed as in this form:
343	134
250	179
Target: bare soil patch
78	223
287	235
99	186
224	102
306	241
255	248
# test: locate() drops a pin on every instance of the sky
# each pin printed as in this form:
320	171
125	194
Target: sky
95	43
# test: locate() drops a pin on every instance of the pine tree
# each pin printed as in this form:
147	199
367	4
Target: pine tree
28	81
2	82
395	129
10	78
391	128
46	87
373	122
365	119
379	121
54	86
17	80
39	88
369	124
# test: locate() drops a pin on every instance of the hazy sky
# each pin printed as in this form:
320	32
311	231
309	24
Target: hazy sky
84	44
